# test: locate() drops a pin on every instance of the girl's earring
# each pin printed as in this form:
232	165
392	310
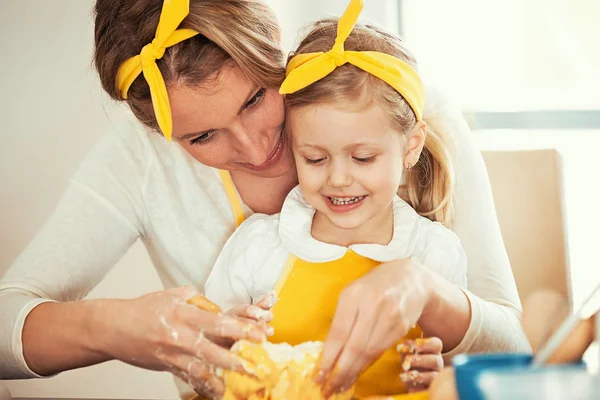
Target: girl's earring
409	166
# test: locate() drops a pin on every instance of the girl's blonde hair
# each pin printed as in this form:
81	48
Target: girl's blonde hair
429	184
244	33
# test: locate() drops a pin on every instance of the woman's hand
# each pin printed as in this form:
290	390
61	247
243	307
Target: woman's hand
421	362
161	331
373	313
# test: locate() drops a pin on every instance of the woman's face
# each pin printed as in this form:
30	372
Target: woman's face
231	123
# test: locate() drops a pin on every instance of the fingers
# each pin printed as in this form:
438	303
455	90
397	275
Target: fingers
204	304
225	343
417	380
252	312
339	333
432	345
423	362
201	377
368	340
200	347
268	301
224	326
422	354
355	356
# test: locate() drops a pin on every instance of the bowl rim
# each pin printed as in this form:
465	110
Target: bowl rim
462	360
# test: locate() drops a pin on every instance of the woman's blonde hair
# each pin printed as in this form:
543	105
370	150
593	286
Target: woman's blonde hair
429	184
237	32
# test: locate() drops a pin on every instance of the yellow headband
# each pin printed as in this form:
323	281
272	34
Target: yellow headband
167	35
305	69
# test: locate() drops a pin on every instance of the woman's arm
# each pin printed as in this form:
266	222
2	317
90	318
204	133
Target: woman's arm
46	328
62	336
483	318
82	240
495	308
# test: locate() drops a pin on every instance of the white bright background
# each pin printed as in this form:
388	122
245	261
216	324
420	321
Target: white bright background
520	55
485	55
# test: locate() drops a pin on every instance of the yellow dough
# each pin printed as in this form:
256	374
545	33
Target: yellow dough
281	372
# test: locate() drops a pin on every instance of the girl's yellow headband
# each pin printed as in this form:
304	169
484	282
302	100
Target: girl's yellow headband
305	69
167	35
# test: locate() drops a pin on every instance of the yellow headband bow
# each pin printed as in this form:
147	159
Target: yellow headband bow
167	35
305	69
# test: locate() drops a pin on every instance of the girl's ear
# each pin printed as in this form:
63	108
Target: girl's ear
414	144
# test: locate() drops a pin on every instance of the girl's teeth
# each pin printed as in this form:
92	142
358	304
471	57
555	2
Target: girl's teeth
339	202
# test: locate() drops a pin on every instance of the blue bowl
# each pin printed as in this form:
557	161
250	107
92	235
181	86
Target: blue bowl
570	381
468	367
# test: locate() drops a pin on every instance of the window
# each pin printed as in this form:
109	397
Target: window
512	55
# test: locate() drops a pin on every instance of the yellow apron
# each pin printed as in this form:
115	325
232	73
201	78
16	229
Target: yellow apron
308	297
314	289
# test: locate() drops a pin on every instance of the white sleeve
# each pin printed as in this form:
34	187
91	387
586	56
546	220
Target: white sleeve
443	253
94	224
495	305
245	266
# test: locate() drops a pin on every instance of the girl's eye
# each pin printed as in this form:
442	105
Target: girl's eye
203	139
312	161
366	160
257	98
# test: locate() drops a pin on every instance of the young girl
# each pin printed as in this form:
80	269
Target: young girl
355	105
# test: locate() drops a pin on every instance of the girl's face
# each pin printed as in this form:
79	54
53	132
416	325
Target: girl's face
349	163
232	123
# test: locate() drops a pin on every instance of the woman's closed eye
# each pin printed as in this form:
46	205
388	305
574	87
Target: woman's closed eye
204	138
257	98
209	136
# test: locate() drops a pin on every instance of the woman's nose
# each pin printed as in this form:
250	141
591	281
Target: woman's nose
253	147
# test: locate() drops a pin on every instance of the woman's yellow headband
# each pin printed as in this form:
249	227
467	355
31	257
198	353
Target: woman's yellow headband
167	35
305	69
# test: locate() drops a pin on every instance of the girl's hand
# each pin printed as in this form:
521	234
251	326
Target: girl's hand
259	313
162	331
373	313
421	362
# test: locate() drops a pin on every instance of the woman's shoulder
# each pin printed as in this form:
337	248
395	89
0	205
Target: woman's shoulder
128	139
131	167
125	148
145	159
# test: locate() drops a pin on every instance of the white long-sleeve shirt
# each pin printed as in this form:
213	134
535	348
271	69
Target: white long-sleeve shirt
135	185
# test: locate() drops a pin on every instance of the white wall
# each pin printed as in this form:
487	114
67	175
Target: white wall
295	15
52	111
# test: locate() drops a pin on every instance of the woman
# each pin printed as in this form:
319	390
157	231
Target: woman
222	77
